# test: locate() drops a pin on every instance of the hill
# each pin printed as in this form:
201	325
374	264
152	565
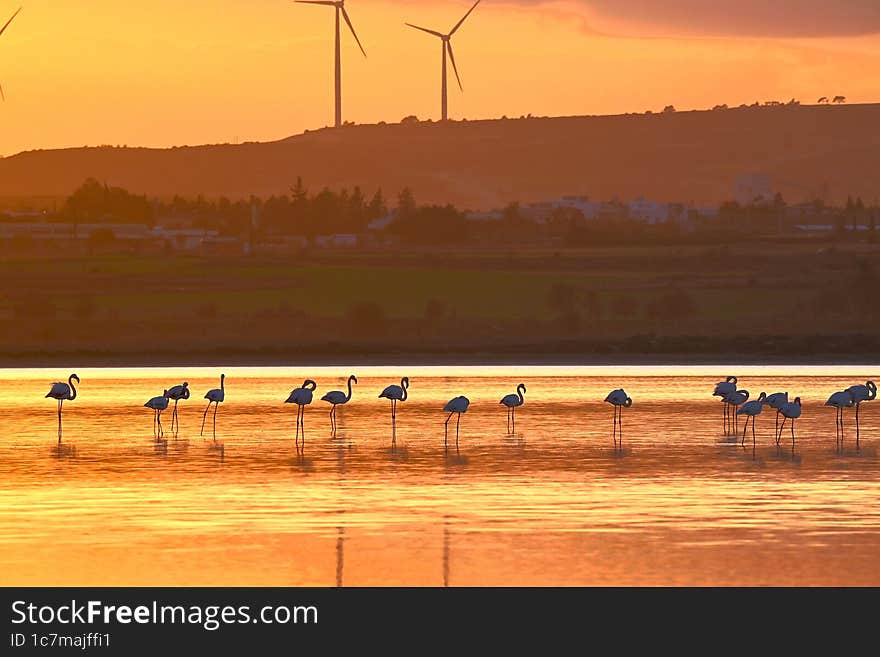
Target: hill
808	151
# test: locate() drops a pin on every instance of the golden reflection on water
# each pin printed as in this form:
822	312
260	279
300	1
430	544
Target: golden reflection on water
553	504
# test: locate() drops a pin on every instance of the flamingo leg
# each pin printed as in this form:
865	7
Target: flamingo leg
620	426
216	406
754	440
457	426
513	418
446	431
204	417
332	425
393	421
159	420
614	425
792	435
745	426
857	425
60	404
781	429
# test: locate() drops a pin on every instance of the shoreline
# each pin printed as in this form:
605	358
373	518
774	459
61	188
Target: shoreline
317	358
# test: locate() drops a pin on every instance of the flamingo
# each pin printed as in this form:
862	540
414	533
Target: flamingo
776	401
619	400
336	398
177	393
791	411
302	397
752	409
867	392
158	404
63	392
840	400
722	389
396	394
458	405
736	399
216	397
513	401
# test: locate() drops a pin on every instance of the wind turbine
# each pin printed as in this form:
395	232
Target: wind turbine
2	30
446	40
340	9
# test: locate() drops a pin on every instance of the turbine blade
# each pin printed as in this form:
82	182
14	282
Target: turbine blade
3	29
2	95
316	2
454	67
351	27
458	25
425	29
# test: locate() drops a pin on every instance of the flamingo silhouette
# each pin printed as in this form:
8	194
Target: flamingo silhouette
840	400
722	389
302	397
776	401
751	410
791	411
216	396
396	394
454	406
158	404
513	401
867	392
736	399
63	392
619	400
177	393
338	398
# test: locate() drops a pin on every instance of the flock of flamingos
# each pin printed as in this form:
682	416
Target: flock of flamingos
735	402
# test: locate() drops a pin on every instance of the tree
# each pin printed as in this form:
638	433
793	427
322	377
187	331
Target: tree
669	109
377	207
406	204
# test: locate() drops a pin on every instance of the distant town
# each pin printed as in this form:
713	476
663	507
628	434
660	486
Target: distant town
101	217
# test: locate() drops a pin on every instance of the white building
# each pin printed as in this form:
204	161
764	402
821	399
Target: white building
651	212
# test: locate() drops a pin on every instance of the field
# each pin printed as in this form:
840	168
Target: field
747	302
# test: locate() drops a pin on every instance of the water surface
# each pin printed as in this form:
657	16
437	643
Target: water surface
553	504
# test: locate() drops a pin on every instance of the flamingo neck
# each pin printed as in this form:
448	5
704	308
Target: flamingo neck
348	397
72	388
519	391
404	383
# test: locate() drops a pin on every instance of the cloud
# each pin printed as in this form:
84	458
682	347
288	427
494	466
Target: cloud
753	18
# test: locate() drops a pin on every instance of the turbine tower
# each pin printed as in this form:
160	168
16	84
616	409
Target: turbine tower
2	30
340	9
446	40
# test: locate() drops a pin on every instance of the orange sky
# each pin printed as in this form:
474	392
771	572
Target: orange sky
164	72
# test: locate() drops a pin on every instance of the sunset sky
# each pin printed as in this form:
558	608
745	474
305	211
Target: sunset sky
165	72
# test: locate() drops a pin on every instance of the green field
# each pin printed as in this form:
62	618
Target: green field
482	303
